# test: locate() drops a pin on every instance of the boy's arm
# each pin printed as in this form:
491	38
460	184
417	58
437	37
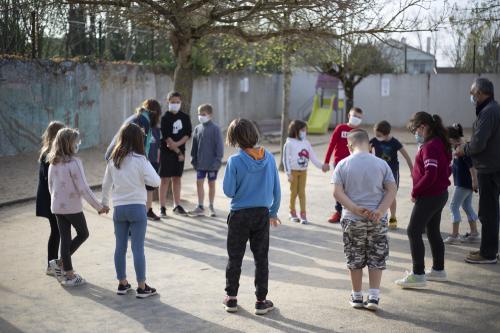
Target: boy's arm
341	196
332	144
390	194
407	158
273	211
194	149
229	182
219	149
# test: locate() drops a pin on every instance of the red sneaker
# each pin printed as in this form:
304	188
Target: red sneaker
335	218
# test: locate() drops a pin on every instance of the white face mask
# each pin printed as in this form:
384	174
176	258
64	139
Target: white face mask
174	107
355	121
203	119
77	147
302	135
473	99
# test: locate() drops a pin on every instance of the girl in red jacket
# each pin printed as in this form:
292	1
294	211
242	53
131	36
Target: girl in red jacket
431	173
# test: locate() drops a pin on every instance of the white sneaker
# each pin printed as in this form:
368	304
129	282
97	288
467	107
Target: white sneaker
471	238
77	280
433	275
453	240
294	218
212	212
198	211
412	281
56	269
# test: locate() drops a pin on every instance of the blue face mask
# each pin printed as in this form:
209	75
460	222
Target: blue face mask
420	139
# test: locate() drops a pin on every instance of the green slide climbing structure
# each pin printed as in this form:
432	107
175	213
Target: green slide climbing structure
319	120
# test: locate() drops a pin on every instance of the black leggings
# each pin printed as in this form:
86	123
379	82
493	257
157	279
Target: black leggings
69	246
426	215
54	239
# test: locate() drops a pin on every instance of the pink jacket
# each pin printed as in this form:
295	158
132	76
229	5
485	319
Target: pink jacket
67	184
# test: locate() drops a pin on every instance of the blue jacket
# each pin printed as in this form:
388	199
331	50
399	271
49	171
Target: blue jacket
252	183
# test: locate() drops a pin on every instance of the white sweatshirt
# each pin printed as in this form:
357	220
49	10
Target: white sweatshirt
296	155
129	181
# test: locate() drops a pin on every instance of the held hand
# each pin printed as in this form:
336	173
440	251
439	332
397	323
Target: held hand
375	216
104	210
274	221
290	178
361	211
325	167
475	187
459	151
181	157
413	199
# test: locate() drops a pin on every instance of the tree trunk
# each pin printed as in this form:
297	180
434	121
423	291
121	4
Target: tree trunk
285	114
349	95
183	75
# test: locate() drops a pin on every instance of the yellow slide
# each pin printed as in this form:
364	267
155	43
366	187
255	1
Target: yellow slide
319	120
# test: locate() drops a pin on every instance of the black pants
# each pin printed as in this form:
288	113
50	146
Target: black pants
68	245
489	190
426	215
54	239
243	225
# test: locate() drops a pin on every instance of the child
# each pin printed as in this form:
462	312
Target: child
254	206
431	173
127	173
43	196
67	185
365	186
387	147
206	157
296	154
175	132
465	179
338	146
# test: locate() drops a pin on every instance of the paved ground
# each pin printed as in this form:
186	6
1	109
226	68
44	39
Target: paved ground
186	258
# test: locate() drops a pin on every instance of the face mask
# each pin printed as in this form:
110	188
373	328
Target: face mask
473	99
77	147
302	135
174	107
420	139
203	119
355	121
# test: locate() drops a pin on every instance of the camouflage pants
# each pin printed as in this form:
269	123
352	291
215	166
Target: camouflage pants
365	243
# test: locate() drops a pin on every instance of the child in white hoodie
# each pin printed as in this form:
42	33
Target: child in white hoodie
296	155
127	174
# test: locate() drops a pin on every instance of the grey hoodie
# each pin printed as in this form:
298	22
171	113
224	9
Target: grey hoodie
207	149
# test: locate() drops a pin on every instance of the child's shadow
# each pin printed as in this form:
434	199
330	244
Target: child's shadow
154	315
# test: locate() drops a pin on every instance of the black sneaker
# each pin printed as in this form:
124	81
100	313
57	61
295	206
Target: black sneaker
263	307
356	302
152	216
146	292
371	304
163	212
123	289
230	304
180	211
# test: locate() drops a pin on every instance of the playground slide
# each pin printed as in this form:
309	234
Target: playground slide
319	120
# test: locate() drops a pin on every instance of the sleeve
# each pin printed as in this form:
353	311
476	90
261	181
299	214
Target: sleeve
287	158
430	159
332	144
397	145
219	147
313	157
151	177
80	182
229	182
107	183
194	148
273	210
482	133
189	126
50	179
166	128
337	174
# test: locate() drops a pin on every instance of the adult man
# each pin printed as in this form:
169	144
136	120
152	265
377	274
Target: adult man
484	149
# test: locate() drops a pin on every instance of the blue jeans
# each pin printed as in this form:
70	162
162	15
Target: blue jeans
130	218
462	197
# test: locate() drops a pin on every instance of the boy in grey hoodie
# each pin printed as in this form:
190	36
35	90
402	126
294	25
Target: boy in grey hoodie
206	157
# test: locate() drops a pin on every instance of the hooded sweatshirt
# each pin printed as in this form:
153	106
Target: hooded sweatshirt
251	180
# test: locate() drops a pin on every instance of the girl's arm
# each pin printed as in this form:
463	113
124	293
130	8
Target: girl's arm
107	183
78	177
50	179
407	158
473	174
314	158
287	158
151	178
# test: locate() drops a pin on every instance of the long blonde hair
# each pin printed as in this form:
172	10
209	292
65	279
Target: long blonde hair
48	137
64	145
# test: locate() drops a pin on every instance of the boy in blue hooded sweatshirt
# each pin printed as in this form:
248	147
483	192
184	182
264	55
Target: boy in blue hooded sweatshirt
251	181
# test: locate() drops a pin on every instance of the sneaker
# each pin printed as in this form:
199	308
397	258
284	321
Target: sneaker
230	304
434	275
293	217
335	218
50	272
263	307
371	303
356	302
146	292
211	211
56	269
471	238
123	289
152	216
76	281
178	210
198	211
163	212
303	219
412	281
476	258
453	240
393	223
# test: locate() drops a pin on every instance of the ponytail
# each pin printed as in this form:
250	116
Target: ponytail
439	131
